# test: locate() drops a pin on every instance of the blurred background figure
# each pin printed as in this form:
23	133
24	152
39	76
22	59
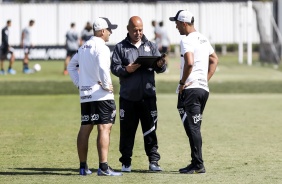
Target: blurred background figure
164	39
86	33
26	44
6	49
156	33
164	42
72	45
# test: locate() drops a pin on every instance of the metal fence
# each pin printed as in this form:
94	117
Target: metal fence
222	23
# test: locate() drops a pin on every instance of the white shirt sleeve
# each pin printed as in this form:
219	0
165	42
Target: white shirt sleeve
211	49
187	46
73	70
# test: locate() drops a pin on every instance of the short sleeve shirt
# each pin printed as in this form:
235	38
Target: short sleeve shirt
199	45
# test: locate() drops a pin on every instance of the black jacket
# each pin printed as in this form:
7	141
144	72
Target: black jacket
141	83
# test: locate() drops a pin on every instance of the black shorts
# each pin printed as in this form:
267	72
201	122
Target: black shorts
26	49
71	53
4	51
98	112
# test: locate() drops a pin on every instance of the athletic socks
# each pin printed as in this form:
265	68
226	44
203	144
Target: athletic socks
103	166
82	165
25	66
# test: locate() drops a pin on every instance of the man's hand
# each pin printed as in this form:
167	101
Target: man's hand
132	67
162	61
182	87
109	89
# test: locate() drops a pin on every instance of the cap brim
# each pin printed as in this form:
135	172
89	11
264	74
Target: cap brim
113	26
172	18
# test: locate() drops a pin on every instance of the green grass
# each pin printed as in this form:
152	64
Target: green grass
242	130
241	141
229	78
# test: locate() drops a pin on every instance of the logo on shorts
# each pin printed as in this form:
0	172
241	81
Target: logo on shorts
181	111
84	118
94	117
121	113
197	118
154	113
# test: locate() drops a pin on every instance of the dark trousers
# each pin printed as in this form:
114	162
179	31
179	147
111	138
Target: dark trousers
130	114
191	104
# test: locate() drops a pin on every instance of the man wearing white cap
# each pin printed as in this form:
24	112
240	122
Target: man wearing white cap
96	95
198	64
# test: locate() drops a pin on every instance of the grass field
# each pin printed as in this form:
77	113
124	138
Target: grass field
242	130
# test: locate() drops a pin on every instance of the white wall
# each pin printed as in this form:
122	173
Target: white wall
220	22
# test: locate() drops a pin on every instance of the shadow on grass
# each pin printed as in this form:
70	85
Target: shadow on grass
41	171
67	171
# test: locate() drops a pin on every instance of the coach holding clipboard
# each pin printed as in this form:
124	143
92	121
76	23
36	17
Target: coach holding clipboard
137	93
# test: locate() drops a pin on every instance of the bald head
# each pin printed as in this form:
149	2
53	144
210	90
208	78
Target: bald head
135	21
135	29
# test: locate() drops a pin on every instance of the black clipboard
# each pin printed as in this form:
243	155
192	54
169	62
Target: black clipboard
147	61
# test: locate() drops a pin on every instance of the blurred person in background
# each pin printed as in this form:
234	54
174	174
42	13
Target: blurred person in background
6	49
72	44
164	46
157	34
86	33
137	93
96	95
198	64
26	44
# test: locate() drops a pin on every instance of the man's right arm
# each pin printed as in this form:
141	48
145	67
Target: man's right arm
117	68
73	70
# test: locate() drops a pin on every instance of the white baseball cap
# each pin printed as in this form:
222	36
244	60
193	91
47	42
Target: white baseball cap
103	23
183	16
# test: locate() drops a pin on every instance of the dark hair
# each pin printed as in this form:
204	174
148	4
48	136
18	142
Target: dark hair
88	26
72	24
31	21
192	21
9	21
161	24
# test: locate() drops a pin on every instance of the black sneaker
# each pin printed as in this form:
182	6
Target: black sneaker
191	169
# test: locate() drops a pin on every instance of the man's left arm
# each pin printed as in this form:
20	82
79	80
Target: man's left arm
213	61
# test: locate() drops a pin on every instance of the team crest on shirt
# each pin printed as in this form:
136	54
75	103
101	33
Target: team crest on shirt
147	48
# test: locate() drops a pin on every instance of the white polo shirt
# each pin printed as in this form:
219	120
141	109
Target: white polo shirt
93	59
198	44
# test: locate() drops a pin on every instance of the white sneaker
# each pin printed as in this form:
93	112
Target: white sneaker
126	168
88	171
154	166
